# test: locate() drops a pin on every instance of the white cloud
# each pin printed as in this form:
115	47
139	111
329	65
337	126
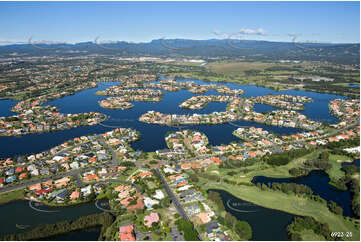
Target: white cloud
219	34
252	31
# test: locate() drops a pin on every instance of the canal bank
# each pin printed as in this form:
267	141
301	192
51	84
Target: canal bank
90	234
318	181
153	135
20	213
289	203
271	229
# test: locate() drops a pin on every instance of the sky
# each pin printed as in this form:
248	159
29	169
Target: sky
72	22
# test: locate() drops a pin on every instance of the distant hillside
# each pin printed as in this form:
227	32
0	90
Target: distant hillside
226	48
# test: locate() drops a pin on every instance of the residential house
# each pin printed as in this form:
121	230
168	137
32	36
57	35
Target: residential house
62	182
150	219
23	175
10	172
86	191
61	196
149	203
211	226
126	233
10	179
158	194
74	195
74	165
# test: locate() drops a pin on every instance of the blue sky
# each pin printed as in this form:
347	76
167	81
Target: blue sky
143	21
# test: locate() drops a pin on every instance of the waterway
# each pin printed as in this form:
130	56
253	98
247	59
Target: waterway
20	213
267	224
318	181
355	163
152	136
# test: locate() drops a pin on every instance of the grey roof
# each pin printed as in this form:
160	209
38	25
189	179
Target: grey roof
62	194
211	226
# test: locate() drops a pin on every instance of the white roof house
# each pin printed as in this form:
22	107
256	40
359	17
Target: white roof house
159	194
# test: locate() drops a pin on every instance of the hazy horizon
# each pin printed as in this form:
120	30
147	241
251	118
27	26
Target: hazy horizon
76	22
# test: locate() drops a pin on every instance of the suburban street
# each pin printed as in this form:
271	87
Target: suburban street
174	198
114	161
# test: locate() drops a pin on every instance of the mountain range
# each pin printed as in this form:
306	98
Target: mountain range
251	50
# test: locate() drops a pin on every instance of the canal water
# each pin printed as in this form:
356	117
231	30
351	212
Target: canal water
5	106
318	181
152	136
20	213
267	224
263	108
355	163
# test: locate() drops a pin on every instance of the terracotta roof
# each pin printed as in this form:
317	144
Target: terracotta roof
74	195
126	233
139	205
145	174
35	187
181	183
186	165
204	217
19	169
91	177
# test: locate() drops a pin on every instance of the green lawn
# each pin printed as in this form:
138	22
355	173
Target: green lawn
267	170
309	235
291	204
335	172
11	196
237	67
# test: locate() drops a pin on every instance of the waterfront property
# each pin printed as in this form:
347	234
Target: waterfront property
96	161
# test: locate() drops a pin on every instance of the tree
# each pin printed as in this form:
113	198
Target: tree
193	177
243	229
216	198
324	155
187	228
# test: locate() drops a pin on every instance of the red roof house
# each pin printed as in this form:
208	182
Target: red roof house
126	233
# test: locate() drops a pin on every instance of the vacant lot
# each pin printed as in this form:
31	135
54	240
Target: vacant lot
239	68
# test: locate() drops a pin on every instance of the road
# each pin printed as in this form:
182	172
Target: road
115	161
174	198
